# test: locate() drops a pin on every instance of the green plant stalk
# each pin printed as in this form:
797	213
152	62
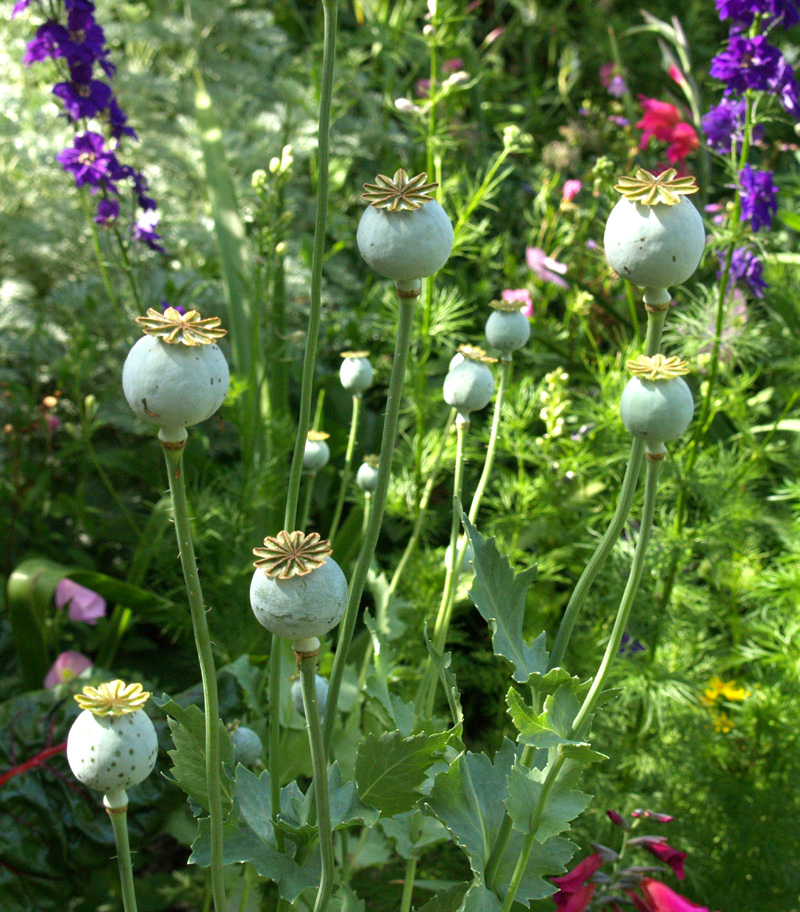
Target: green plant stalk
308	666
394	395
365	517
581	723
347	471
655	325
274	760
330	9
119	823
582	720
433	477
183	531
427	688
101	263
408	884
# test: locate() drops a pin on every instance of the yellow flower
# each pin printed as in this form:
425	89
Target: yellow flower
723	723
728	690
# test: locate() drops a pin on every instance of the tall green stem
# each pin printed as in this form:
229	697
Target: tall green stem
405	328
119	822
306	511
330	9
408	884
307	663
348	466
655	325
275	733
173	452
427	688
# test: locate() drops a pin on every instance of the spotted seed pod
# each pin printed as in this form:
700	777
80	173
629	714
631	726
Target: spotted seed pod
367	474
112	745
507	329
176	376
469	385
654	235
404	234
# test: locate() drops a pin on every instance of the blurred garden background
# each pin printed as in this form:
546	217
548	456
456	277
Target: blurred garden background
526	113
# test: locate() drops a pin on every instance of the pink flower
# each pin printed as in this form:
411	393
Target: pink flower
662	121
675	73
422	88
82	604
574	893
657	846
66	667
652	815
545	267
519	296
450	66
570	190
660	898
617	819
683	141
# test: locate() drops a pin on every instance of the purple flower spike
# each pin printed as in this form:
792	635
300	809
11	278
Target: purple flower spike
747	63
743	12
84	99
82	604
746	267
51	37
67	666
758	197
107	212
90	161
144	231
724	125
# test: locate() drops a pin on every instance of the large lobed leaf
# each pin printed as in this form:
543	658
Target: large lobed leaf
499	596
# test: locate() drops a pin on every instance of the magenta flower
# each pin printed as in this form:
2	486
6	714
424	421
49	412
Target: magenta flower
658	897
617	819
657	846
66	667
652	815
82	604
545	267
575	893
570	190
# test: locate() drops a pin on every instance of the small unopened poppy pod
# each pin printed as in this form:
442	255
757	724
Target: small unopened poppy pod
247	746
367	474
404	234
321	686
298	592
654	235
656	404
356	372
507	329
317	452
469	384
176	375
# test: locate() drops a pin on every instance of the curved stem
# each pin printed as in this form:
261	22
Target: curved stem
308	666
275	734
655	325
347	471
405	328
330	8
581	721
183	531
119	822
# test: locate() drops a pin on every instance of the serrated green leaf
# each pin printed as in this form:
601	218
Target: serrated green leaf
533	728
469	800
187	727
562	804
582	753
447	901
390	769
479	899
499	596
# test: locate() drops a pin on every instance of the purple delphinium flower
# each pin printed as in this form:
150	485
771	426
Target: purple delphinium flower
144	231
90	161
747	268
82	604
107	211
743	12
629	646
51	37
758	197
87	40
747	63
83	98
724	124
19	7
165	304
